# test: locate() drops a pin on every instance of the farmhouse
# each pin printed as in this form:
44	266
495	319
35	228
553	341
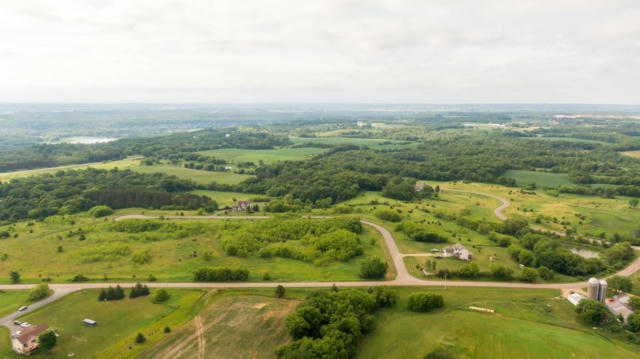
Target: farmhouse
241	206
27	341
458	251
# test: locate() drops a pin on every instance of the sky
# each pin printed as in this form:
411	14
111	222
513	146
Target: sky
368	51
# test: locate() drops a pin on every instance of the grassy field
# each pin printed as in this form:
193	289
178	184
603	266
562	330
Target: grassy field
527	324
202	177
118	323
542	179
173	256
233	326
126	163
634	154
268	156
225	198
11	300
375	143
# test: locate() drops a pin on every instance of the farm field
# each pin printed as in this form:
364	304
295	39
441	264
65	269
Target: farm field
527	324
126	163
375	143
108	255
118	323
268	156
542	179
232	326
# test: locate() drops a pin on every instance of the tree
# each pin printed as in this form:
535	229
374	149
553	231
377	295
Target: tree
545	273
499	271
633	322
424	302
633	203
620	284
167	329
160	296
592	312
103	295
39	292
529	275
373	268
635	302
470	270
15	277
280	291
140	338
47	340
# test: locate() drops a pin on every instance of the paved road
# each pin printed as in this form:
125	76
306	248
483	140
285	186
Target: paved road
57	294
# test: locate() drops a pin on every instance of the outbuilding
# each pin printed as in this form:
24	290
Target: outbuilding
89	322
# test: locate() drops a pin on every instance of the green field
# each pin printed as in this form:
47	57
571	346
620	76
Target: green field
233	326
11	300
527	324
202	177
542	179
118	323
634	154
173	256
122	164
268	156
375	143
225	198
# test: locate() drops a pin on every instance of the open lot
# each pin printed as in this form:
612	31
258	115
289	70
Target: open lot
118	323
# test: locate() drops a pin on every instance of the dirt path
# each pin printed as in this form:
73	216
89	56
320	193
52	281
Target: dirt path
497	211
200	335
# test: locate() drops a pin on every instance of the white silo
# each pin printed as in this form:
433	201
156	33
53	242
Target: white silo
592	288
602	290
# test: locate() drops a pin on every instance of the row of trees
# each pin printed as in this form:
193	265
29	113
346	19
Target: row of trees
220	275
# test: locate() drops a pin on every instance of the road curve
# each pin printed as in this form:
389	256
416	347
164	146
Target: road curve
497	211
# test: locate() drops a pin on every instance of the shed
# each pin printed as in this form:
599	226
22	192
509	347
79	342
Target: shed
89	322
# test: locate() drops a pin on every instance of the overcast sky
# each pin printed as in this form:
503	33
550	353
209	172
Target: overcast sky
320	51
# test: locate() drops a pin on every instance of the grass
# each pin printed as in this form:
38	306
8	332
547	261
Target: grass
233	326
174	256
268	156
375	143
118	323
225	198
542	179
103	165
202	177
11	300
634	154
527	324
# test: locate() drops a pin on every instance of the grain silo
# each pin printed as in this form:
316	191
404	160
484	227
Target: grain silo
592	289
602	290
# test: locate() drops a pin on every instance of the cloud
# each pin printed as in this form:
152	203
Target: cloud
344	51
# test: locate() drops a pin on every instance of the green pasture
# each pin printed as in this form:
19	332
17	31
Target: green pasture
526	324
542	179
225	198
122	164
268	156
118	323
199	176
107	255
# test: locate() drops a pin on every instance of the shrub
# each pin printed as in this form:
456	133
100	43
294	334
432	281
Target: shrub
79	278
167	329
424	302
591	312
470	270
47	340
138	290
633	322
529	275
499	271
142	257
545	273
39	292
388	215
140	338
220	275
280	291
160	296
15	277
100	211
373	268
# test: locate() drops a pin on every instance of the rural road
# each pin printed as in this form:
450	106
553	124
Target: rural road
403	278
497	211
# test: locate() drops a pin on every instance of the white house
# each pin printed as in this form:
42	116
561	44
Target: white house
458	251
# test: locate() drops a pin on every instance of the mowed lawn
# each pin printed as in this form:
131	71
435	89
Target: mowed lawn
118	323
269	156
233	326
542	179
11	300
533	324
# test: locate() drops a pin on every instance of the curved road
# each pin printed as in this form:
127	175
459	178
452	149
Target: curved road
403	278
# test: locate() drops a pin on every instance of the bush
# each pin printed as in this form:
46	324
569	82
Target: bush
39	292
47	340
388	215
529	275
470	270
140	338
111	294
79	278
546	273
160	296
280	291
138	290
100	211
373	268
592	312
220	275
167	329
633	322
424	302
499	271
15	277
